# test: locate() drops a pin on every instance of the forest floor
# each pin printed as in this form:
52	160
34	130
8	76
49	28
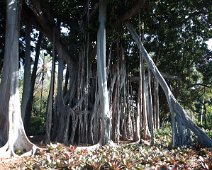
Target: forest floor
123	156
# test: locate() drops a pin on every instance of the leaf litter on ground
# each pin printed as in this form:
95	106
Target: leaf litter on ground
126	156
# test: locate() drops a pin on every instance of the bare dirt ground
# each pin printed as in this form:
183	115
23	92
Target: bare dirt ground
13	163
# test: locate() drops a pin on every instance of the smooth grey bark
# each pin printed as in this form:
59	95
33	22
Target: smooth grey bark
87	60
201	111
146	133
32	84
117	75
59	104
27	72
95	123
140	98
12	134
156	105
150	109
178	113
61	117
49	112
102	77
122	90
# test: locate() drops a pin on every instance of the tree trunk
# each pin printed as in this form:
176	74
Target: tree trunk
12	134
145	127
61	119
156	105
140	100
27	72
32	85
51	96
150	108
102	77
178	113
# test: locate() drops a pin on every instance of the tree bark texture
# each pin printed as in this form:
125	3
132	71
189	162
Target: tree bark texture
102	77
156	105
12	134
27	72
50	108
150	108
32	84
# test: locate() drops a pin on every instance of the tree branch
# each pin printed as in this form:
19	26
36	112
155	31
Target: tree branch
133	11
199	84
45	23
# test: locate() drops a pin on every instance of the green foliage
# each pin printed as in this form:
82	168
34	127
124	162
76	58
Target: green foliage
37	122
37	125
163	136
209	133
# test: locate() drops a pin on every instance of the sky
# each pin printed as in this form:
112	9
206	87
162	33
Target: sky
209	42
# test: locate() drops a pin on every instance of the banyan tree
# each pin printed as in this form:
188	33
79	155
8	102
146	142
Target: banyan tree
97	93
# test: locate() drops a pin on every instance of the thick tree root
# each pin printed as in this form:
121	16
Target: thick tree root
96	146
8	151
